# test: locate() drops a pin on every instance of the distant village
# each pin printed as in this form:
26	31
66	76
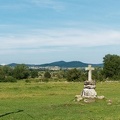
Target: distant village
54	68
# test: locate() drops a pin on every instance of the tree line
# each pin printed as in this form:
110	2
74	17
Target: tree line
19	72
110	71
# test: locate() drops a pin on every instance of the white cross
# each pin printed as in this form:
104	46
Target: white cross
89	68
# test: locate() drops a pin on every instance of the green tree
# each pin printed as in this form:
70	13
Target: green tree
2	75
47	74
6	74
73	75
34	73
111	67
98	74
7	70
21	72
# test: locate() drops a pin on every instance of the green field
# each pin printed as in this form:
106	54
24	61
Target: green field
54	101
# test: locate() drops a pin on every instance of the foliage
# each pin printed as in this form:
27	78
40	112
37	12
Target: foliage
98	74
21	72
34	73
110	71
45	80
73	75
47	74
10	79
6	73
2	76
111	67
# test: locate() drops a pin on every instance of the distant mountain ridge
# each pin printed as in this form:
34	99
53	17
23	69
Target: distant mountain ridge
62	64
70	64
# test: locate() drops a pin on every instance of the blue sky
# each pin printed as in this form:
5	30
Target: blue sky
43	31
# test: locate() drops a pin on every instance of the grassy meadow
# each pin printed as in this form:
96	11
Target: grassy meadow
54	101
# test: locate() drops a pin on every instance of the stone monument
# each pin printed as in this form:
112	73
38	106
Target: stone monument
89	85
88	93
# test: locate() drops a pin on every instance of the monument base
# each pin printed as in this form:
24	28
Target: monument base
89	93
89	90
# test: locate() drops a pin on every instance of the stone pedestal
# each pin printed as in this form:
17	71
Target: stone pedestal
89	90
88	93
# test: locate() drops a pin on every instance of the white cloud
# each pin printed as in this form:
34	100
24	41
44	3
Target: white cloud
66	37
48	39
59	43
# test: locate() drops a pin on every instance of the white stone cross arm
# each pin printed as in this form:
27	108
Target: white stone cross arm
89	68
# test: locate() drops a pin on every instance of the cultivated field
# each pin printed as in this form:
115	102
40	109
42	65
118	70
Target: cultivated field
54	101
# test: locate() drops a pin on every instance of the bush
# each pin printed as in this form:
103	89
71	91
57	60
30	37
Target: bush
45	80
10	79
34	73
73	75
21	72
47	75
27	81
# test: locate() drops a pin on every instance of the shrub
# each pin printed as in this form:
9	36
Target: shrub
27	81
10	79
47	75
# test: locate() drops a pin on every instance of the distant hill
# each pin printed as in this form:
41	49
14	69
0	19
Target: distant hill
62	64
70	64
13	64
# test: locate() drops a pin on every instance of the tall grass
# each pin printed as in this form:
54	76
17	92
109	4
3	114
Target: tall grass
54	101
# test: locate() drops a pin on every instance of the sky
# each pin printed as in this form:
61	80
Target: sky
44	31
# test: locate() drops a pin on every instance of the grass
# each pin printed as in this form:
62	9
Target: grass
54	101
